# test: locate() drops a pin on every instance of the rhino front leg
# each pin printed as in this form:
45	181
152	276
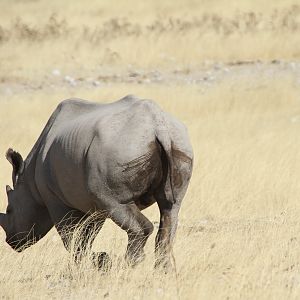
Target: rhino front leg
80	235
78	232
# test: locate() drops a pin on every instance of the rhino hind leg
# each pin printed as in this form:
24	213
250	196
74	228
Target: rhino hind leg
138	228
166	232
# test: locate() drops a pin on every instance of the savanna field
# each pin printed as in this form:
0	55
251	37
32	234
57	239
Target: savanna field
230	70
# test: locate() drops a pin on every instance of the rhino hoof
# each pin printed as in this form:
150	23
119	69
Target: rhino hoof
102	261
164	266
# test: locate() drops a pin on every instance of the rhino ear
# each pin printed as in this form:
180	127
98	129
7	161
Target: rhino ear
8	189
17	162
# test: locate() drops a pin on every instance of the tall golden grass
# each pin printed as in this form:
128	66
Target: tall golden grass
37	36
238	234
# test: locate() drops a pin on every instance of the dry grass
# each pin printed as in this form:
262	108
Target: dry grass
238	234
239	226
38	36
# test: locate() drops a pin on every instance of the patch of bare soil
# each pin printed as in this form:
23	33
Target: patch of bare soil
210	75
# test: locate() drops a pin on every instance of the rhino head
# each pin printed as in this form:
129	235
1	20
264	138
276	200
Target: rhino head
25	221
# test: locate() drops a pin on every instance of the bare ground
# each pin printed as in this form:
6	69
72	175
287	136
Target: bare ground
208	76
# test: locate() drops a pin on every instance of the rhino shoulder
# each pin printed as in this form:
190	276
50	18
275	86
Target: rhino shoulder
75	106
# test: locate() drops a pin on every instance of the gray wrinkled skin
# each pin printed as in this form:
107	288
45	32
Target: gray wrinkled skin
115	159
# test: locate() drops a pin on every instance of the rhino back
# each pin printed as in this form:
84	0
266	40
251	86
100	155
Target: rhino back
86	142
90	155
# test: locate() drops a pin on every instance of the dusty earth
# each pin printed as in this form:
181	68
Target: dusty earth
209	76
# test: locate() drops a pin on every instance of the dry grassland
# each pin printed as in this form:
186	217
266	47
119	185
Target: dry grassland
36	36
238	234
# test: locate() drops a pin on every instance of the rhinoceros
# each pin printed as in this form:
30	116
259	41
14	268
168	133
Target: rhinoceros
116	159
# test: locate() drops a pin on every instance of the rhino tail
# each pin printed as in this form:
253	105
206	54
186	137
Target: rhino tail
164	140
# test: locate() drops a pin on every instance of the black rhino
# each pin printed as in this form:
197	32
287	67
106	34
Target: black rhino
117	159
